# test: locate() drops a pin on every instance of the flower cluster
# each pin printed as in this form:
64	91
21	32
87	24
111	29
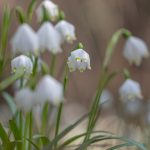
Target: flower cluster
29	45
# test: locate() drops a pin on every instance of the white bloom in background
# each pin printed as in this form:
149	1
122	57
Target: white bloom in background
49	38
106	99
130	90
80	60
24	99
50	7
22	62
49	89
135	50
133	108
66	30
25	41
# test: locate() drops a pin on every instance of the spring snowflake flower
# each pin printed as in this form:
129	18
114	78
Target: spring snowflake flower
135	50
106	99
25	41
66	30
133	108
49	89
51	9
49	38
80	60
130	90
24	99
22	62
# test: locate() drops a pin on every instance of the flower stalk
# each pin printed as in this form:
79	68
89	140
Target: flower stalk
105	79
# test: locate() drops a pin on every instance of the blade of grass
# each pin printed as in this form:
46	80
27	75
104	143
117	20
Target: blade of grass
10	102
64	132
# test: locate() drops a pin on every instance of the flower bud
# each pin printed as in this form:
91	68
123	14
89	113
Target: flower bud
25	41
66	30
51	10
49	38
80	60
135	50
22	62
49	89
130	90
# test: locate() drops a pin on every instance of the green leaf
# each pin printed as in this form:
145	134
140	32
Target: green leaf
72	139
16	132
64	132
4	84
33	144
3	135
45	140
120	146
10	102
10	146
99	138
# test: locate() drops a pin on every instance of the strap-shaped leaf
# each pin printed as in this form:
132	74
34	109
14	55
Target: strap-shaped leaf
64	132
10	102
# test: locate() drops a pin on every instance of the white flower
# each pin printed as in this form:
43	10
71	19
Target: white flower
49	38
66	30
80	60
49	89
24	99
51	8
25	41
22	62
133	108
106	99
135	50
130	90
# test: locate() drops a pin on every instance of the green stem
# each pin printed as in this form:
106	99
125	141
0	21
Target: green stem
44	118
112	44
35	66
30	129
105	78
58	121
52	66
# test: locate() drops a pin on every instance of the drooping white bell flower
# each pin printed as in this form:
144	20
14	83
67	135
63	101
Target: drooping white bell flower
24	99
135	50
133	108
51	9
22	62
49	38
25	41
49	89
130	90
80	60
66	30
106	99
